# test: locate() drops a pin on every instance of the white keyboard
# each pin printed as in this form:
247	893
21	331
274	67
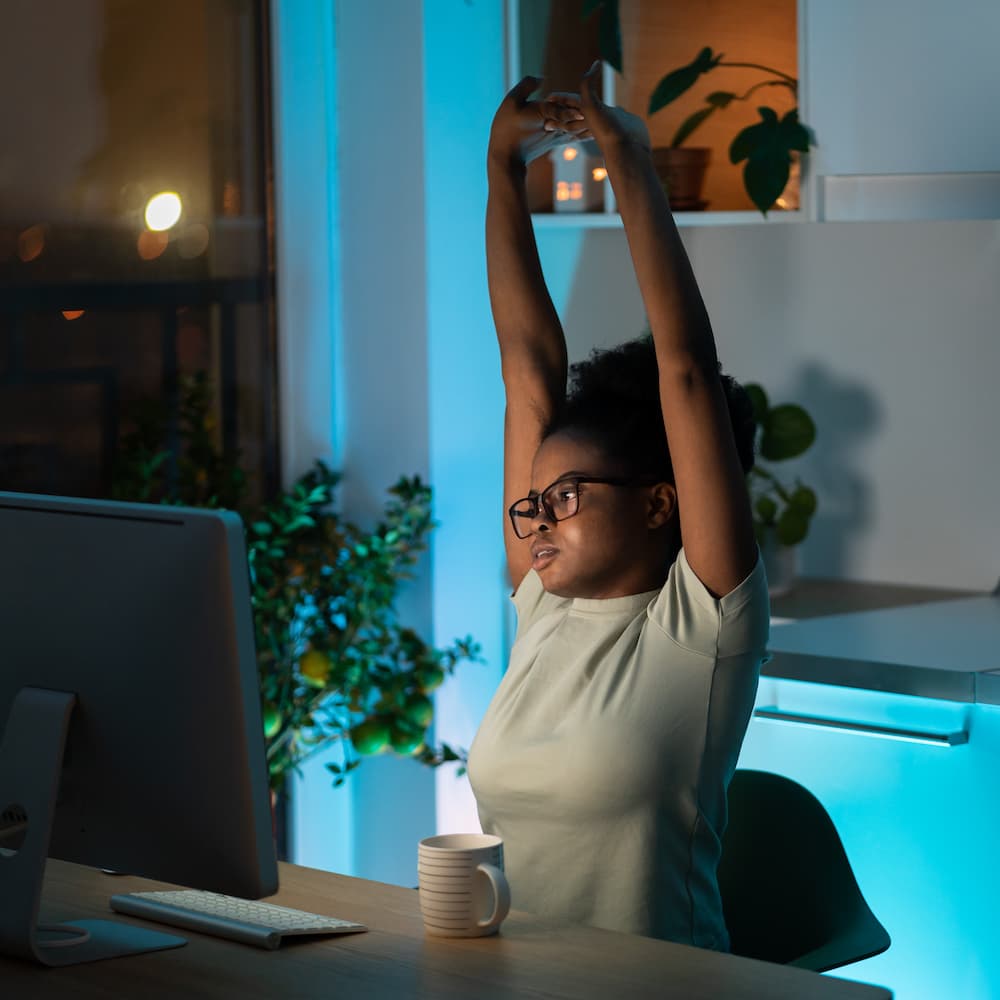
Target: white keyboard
247	921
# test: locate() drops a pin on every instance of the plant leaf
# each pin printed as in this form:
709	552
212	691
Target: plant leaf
720	98
766	509
765	176
804	500
788	432
690	124
610	35
747	141
795	135
679	81
792	527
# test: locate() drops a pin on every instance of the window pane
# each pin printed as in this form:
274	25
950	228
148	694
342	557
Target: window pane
113	295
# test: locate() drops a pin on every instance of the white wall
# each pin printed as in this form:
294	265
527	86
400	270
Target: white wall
464	84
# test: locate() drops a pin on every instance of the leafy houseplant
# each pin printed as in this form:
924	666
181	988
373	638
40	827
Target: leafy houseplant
781	514
767	146
336	666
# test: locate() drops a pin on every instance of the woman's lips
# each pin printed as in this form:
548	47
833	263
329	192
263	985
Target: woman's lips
542	555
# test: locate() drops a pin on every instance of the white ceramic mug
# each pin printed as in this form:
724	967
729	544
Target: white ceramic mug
463	890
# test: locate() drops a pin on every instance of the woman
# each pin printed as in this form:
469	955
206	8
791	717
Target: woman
604	757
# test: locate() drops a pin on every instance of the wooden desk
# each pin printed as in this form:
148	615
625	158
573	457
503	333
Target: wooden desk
395	959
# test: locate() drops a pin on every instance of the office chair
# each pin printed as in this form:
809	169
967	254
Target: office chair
788	892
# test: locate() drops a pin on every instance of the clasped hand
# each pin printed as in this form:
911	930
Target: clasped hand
525	129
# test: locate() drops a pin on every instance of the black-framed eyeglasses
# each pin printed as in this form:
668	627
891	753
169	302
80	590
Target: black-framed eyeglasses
561	499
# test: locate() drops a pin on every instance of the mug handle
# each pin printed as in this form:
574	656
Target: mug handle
501	896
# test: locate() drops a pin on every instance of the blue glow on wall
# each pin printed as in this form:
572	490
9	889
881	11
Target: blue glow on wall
464	83
918	823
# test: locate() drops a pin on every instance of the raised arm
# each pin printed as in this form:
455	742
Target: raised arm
532	345
715	516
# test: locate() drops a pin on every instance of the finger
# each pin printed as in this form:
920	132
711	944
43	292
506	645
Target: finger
575	128
559	112
590	78
524	88
563	97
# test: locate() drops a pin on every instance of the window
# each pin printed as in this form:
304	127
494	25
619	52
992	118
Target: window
112	295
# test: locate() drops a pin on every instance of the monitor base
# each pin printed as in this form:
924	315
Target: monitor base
101	939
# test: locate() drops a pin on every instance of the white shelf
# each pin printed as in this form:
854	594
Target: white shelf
612	220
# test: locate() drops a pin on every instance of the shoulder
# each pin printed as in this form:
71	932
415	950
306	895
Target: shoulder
736	623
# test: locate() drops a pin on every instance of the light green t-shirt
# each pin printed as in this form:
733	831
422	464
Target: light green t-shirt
605	754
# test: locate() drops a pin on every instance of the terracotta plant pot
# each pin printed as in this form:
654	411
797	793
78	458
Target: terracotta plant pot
682	172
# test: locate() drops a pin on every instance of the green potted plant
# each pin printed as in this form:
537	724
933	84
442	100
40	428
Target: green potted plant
767	147
336	665
781	513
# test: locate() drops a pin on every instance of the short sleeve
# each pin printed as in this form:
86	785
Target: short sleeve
532	601
737	623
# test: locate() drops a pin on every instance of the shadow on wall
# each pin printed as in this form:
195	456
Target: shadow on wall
847	415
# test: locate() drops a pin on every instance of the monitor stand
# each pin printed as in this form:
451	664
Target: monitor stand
31	758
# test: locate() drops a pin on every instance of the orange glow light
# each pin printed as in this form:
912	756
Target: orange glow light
599	173
31	243
562	191
151	243
575	191
72	314
569	153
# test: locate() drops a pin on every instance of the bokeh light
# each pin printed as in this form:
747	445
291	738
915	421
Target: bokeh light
151	244
599	173
193	242
31	243
163	210
569	153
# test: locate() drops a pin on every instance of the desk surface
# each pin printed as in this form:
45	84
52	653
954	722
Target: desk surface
395	959
933	650
812	597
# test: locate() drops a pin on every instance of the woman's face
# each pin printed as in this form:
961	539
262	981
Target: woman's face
618	541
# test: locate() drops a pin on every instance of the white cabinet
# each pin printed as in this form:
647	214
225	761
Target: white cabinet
904	89
920	823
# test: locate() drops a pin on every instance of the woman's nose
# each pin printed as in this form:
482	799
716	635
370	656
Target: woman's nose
540	522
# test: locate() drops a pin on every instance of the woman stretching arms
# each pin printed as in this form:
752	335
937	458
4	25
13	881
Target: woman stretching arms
604	757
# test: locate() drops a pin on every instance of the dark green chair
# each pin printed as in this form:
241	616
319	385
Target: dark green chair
788	892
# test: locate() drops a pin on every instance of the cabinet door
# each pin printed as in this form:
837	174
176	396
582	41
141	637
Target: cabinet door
919	823
903	86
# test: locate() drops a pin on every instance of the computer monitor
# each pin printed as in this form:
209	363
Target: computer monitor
130	707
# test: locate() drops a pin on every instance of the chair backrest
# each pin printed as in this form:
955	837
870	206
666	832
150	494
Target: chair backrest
788	892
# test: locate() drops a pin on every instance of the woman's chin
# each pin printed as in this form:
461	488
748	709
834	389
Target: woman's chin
556	583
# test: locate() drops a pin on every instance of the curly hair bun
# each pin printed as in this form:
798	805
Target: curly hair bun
614	399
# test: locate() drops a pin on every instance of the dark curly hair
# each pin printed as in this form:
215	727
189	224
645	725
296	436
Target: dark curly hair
614	400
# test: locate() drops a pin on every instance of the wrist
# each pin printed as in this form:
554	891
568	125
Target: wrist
626	149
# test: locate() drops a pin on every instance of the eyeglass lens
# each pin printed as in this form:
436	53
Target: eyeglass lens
559	501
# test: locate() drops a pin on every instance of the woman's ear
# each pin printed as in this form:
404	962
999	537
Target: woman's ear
661	505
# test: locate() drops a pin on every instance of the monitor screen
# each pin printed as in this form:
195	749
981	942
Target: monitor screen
143	614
